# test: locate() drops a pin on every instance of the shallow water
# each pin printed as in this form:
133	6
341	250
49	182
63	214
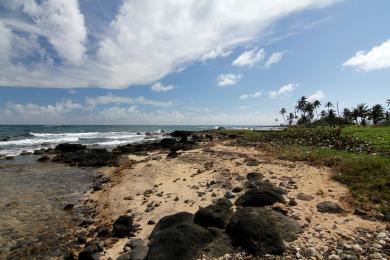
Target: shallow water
33	224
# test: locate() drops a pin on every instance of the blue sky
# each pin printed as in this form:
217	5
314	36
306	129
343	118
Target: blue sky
187	62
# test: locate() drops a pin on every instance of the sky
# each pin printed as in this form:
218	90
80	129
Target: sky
188	61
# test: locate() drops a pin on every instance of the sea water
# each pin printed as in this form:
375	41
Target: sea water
16	139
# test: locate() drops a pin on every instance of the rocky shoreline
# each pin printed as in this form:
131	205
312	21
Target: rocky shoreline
195	196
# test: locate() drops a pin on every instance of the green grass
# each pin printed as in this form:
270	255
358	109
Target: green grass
366	175
379	137
364	169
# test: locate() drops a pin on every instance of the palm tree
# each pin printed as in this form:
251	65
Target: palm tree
362	111
323	113
388	102
347	114
283	111
316	105
377	113
355	115
328	105
301	104
291	118
309	109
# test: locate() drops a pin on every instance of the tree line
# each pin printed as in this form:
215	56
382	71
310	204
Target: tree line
308	112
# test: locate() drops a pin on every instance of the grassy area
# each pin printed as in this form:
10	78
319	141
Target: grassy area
359	156
379	137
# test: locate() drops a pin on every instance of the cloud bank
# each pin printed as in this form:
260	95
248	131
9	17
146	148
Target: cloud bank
146	40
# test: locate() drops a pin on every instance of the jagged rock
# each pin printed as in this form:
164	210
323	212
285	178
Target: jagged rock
213	216
254	233
122	226
329	207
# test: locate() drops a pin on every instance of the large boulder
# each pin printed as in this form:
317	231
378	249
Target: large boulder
175	237
259	197
122	226
66	148
213	216
288	228
223	202
255	233
170	221
220	246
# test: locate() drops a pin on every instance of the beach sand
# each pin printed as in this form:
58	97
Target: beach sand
152	186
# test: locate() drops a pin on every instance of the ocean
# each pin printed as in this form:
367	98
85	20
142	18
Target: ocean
14	139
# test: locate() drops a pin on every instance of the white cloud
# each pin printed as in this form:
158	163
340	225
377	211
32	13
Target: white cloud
319	95
63	24
275	58
249	58
284	90
225	80
254	95
377	58
29	109
218	52
111	99
146	41
159	87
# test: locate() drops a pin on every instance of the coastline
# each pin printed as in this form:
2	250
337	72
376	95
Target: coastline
153	183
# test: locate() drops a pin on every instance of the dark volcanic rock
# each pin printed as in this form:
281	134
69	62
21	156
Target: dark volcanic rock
254	233
180	242
254	176
237	189
223	202
88	157
213	216
329	207
88	253
43	159
259	198
139	249
122	226
287	228
171	221
65	148
103	231
229	195
39	152
221	244
183	135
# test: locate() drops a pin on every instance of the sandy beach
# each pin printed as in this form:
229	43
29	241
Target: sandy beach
151	186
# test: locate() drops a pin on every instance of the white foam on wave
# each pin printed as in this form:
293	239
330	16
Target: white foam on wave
38	141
